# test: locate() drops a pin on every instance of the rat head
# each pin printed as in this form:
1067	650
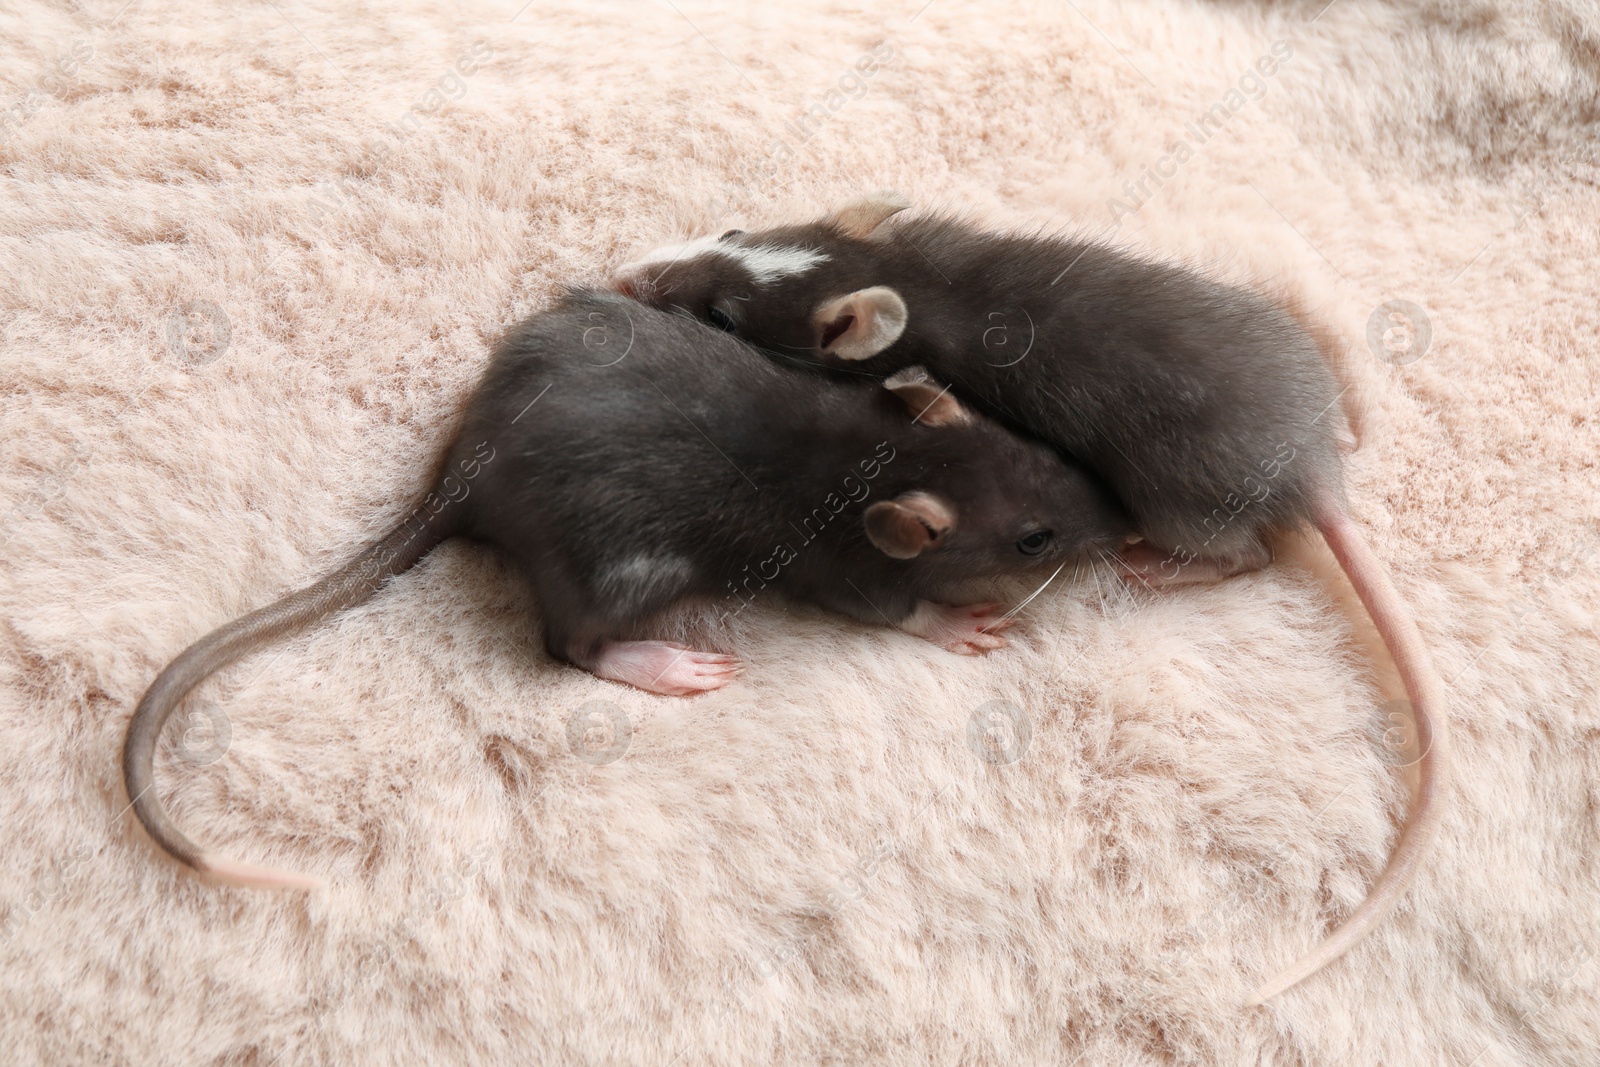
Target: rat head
810	291
984	502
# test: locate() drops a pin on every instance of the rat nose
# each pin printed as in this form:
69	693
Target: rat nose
633	280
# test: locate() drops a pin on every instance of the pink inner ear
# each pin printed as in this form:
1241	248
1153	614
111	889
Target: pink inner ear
837	329
916	533
897	531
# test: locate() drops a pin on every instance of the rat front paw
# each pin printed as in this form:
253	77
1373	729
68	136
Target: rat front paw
966	630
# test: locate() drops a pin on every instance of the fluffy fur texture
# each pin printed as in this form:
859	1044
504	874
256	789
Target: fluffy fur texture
237	332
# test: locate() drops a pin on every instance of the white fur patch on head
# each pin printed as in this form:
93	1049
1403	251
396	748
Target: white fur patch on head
766	263
668	254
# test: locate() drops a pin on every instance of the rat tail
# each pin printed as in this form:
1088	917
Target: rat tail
1393	620
351	585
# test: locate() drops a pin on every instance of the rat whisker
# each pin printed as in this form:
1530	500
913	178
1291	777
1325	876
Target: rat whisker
1094	576
1026	600
1116	557
1118	582
811	365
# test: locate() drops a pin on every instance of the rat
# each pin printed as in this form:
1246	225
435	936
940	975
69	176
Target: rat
1204	407
625	461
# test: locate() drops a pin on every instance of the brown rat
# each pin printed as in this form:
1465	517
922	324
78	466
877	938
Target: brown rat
626	460
1206	409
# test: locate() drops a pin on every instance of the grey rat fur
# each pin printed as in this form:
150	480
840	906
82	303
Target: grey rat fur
625	460
1206	409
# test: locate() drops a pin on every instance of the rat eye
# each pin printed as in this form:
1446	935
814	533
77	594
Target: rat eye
719	318
1035	542
730	233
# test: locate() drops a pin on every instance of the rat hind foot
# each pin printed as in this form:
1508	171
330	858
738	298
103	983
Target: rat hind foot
664	667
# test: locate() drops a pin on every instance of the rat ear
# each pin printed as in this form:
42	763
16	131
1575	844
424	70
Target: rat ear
928	402
861	324
858	218
904	527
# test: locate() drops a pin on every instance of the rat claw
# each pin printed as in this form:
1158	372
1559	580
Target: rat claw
976	645
985	642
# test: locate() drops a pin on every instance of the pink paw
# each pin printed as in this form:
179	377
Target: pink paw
1147	566
967	630
664	667
1153	568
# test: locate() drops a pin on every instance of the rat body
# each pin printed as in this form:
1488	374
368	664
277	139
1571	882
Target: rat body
1207	410
625	461
1148	374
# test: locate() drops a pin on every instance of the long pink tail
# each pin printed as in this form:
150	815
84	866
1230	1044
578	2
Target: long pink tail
1393	620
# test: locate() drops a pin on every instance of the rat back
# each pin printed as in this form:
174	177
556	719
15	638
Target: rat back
1207	408
641	458
605	488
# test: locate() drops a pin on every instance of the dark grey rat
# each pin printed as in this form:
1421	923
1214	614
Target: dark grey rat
626	460
1209	411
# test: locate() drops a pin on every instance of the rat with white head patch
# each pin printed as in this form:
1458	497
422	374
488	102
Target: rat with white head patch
626	461
1209	411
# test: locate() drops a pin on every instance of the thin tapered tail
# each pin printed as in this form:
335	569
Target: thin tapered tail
350	585
1394	622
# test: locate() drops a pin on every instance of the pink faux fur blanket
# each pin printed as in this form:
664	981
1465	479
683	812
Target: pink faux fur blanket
252	258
